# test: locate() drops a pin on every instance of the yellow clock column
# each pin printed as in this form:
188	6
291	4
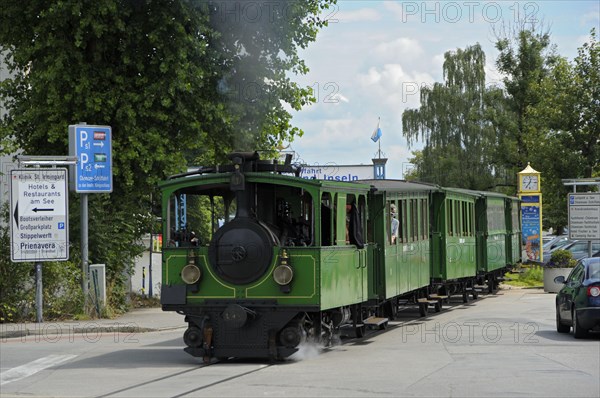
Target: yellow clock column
530	193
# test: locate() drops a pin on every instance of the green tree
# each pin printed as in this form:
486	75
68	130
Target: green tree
172	79
526	58
451	121
569	111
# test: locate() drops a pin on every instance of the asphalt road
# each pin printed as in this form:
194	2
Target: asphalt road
502	345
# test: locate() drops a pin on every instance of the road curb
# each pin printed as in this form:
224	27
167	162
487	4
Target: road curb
10	331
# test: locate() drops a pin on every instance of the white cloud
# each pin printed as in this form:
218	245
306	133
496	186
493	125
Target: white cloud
400	47
361	15
394	7
591	18
393	87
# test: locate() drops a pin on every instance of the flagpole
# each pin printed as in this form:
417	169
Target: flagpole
379	140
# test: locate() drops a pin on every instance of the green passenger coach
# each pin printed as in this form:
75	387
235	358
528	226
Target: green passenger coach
454	259
491	237
399	230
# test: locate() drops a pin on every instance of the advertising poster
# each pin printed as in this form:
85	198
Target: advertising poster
530	220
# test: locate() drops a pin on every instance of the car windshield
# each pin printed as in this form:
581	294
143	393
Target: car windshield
551	243
561	244
594	270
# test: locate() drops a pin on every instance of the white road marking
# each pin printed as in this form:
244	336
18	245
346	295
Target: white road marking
31	368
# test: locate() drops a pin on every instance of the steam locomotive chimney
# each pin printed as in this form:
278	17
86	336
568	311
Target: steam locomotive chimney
242	161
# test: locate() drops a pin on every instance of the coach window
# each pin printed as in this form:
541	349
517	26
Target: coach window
457	223
414	220
410	224
449	219
406	222
423	219
467	219
392	222
419	228
515	217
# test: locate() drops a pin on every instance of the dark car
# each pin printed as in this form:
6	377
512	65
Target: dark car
578	302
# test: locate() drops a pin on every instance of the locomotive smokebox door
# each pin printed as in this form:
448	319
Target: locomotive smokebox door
236	316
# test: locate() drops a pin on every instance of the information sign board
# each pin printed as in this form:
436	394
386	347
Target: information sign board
584	216
92	145
39	215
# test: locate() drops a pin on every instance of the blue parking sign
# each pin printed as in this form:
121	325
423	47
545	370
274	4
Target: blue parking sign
92	145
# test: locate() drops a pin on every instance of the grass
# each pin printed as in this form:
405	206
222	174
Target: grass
526	276
139	301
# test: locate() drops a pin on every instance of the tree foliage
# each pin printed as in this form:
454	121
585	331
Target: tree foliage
174	79
569	114
526	58
451	121
547	112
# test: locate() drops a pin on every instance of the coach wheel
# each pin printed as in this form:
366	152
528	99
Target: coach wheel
438	306
423	309
360	331
475	294
491	285
465	296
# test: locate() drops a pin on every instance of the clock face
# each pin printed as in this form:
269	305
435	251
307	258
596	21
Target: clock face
529	183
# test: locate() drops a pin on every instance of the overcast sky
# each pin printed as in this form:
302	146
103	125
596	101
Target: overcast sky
373	56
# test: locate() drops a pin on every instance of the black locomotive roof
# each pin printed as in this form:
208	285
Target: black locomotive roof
400	185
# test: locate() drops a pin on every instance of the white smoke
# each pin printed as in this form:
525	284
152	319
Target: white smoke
307	350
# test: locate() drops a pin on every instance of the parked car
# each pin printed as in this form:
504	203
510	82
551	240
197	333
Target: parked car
579	248
551	241
560	244
578	302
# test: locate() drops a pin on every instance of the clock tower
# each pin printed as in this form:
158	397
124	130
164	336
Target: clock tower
530	193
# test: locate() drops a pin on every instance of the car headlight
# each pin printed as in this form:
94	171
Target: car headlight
190	274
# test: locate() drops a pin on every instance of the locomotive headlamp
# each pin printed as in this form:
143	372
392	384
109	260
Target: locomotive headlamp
283	273
190	274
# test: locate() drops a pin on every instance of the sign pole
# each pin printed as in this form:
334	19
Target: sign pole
38	293
84	251
150	264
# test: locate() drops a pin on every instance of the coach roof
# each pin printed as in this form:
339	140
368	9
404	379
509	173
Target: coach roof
400	185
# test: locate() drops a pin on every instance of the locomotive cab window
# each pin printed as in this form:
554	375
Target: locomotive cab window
195	214
355	220
193	217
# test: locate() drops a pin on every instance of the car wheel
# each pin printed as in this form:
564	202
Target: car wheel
561	327
578	331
